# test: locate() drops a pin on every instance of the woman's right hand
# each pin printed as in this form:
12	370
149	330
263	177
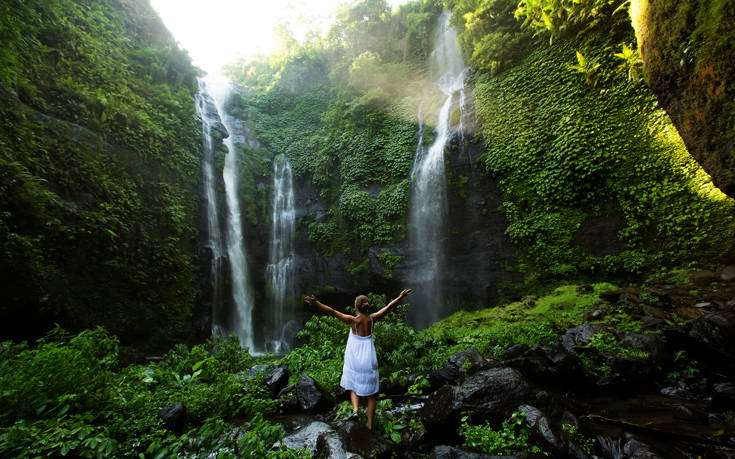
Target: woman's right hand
310	300
405	293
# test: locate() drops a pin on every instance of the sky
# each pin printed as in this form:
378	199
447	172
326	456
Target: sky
217	32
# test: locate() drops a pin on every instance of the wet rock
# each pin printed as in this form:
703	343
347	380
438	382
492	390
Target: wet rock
365	442
330	444
728	273
491	395
255	370
550	366
654	346
515	351
709	340
629	374
310	396
306	437
174	417
615	296
704	278
393	386
548	438
276	379
724	396
449	452
467	360
634	449
579	335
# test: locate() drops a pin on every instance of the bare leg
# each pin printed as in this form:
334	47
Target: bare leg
370	411
355	400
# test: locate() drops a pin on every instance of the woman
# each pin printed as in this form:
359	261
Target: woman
360	369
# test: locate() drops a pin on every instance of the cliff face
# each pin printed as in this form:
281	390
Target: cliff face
99	149
688	48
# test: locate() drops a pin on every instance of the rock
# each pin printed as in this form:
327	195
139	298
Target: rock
597	314
655	346
276	379
550	366
579	335
627	294
724	396
330	444
393	386
515	351
255	370
585	288
491	395
449	452
634	449
710	340
306	437
466	360
728	273
704	278
310	397
174	417
541	429
363	441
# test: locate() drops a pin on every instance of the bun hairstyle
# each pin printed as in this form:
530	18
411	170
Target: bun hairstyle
362	304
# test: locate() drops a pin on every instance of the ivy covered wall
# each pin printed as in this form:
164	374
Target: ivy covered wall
99	165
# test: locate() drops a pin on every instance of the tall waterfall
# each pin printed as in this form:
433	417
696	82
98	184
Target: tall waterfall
280	269
239	320
428	192
210	124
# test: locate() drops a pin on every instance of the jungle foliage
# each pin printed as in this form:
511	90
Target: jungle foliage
99	164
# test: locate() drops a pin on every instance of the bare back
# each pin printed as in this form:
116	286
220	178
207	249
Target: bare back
362	325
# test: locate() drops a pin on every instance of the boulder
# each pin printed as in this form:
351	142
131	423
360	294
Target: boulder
579	335
330	444
654	345
467	360
363	441
449	452
174	417
306	437
491	395
276	379
724	396
542	431
311	398
550	366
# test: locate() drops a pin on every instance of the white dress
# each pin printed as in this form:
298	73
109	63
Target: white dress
360	370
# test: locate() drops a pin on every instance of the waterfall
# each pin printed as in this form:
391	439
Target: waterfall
280	269
239	320
428	190
213	237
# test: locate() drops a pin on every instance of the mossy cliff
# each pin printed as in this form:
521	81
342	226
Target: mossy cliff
575	171
688	48
99	146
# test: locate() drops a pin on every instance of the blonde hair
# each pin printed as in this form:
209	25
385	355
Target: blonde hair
362	304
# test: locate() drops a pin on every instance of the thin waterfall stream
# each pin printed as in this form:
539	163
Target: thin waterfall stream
280	269
428	192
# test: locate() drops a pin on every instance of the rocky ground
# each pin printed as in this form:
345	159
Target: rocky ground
655	382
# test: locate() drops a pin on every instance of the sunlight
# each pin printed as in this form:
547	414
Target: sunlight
217	32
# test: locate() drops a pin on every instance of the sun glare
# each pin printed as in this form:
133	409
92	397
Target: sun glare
217	32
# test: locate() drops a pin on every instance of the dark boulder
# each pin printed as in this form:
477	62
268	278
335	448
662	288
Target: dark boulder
450	452
724	396
311	398
515	351
552	367
466	361
276	379
579	335
330	444
491	395
653	345
710	340
174	417
363	441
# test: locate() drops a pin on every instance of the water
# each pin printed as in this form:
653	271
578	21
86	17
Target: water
428	193
239	319
280	269
213	237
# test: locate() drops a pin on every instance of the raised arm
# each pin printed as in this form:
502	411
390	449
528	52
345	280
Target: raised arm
348	319
379	315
